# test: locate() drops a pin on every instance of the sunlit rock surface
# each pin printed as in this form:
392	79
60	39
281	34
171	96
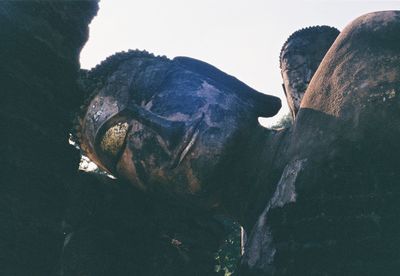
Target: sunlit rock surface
345	216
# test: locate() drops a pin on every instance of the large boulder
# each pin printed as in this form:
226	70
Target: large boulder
335	210
174	235
179	128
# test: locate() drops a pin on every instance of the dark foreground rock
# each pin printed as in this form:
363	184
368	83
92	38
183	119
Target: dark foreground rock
39	63
54	221
117	230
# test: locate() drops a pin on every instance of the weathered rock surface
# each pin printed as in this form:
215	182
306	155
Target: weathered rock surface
342	215
39	63
162	234
186	131
335	209
300	57
48	212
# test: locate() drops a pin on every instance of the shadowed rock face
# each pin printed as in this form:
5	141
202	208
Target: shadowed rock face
300	57
166	125
110	228
39	54
175	129
118	230
338	212
148	114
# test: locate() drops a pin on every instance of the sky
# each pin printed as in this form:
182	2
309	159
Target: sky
242	38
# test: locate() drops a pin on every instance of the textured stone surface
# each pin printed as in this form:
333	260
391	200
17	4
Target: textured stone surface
48	212
344	220
187	122
39	54
166	97
299	59
328	187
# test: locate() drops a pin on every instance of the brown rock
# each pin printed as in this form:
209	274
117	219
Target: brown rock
337	213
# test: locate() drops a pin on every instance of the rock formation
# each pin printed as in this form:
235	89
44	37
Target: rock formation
326	189
39	55
172	126
117	230
52	219
335	209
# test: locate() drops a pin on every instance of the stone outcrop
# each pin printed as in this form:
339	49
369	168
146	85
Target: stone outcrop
329	185
54	220
186	128
163	234
39	63
338	212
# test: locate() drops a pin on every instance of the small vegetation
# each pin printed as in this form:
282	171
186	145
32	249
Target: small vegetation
285	122
229	253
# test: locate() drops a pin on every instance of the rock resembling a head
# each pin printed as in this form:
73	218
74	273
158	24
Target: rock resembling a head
165	125
299	59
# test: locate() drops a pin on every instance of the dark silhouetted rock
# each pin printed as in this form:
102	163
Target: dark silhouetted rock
39	63
114	229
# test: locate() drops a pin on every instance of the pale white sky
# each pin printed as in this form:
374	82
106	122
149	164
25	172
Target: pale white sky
242	38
